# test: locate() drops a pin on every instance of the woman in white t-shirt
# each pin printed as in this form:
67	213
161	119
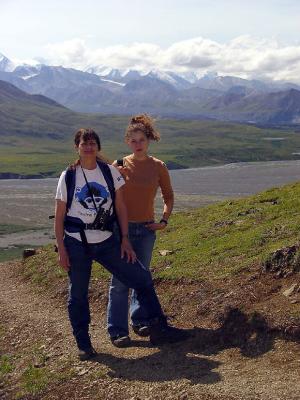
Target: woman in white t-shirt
88	196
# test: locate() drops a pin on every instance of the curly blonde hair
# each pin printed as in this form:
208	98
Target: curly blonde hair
142	123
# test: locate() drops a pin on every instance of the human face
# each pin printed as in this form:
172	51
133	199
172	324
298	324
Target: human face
138	143
88	148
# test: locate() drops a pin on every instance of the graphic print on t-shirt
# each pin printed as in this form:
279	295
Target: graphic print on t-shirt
99	192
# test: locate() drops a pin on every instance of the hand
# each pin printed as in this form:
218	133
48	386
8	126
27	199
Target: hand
126	249
63	258
156	226
123	171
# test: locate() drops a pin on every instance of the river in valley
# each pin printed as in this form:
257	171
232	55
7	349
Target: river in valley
29	202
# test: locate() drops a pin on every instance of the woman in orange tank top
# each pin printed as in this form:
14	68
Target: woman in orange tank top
143	175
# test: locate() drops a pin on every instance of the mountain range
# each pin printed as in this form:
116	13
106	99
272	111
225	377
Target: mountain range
100	89
36	136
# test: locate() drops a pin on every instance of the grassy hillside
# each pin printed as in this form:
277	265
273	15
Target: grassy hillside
216	259
184	144
36	137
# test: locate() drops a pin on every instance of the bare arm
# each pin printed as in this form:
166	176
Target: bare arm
168	207
168	197
60	212
123	223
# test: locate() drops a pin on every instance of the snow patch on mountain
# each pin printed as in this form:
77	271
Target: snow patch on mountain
29	76
110	81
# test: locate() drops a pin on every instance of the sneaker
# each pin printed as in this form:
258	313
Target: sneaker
121	341
87	354
162	333
141	330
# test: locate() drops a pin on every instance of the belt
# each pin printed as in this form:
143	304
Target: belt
142	223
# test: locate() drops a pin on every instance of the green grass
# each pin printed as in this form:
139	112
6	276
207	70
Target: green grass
185	143
35	380
36	374
6	366
13	253
221	240
43	269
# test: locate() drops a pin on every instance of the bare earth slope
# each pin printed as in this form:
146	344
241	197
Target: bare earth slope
38	357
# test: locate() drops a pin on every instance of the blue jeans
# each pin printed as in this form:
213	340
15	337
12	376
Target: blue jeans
108	254
142	240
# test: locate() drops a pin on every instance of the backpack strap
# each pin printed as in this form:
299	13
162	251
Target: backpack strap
70	179
106	171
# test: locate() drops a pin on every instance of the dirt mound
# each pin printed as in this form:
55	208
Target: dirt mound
283	262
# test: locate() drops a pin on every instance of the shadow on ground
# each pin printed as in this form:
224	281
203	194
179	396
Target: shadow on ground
188	360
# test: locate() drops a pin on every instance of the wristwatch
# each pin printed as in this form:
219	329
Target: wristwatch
163	221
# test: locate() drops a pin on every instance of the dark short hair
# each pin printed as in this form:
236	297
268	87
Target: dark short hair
86	134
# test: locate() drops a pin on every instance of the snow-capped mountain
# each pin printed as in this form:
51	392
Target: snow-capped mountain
100	88
189	76
6	65
180	81
26	71
170	77
100	70
113	75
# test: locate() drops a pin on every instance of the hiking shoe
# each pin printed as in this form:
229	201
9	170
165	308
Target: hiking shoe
162	333
141	330
87	354
121	341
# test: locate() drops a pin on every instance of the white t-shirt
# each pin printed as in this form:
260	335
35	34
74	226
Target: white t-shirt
82	205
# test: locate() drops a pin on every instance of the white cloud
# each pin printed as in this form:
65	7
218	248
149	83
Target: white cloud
244	56
135	56
196	53
72	53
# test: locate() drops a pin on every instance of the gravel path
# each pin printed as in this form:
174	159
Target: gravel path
34	330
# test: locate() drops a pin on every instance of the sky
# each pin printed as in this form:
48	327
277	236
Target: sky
255	38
